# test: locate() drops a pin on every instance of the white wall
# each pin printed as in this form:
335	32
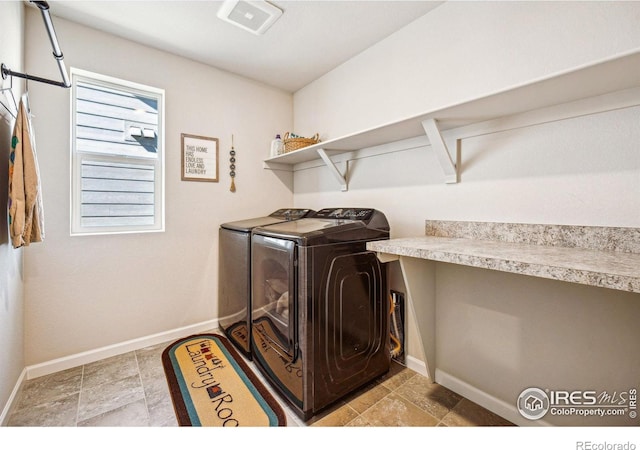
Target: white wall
87	292
459	51
579	170
503	333
11	273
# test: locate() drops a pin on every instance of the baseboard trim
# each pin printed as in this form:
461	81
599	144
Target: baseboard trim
67	362
493	404
416	365
10	401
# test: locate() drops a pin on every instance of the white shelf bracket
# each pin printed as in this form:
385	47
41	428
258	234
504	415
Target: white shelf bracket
449	168
333	169
277	166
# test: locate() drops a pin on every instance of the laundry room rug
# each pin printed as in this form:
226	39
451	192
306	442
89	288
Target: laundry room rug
211	386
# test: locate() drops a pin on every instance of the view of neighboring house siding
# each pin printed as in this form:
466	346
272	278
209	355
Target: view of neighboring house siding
117	135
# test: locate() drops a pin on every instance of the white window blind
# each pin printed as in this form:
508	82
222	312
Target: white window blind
117	156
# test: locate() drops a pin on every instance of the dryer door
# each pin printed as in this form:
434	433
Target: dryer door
273	292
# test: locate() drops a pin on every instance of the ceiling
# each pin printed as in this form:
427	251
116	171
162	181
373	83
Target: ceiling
310	39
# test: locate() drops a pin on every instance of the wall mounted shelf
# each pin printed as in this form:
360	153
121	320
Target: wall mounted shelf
608	76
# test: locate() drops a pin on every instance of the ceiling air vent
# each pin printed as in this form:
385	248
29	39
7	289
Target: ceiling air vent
255	16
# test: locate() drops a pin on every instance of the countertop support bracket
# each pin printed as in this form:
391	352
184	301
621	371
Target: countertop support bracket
450	169
333	169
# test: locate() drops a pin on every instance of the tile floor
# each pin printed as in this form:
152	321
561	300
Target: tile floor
130	390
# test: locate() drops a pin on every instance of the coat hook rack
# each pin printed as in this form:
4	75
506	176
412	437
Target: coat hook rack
57	53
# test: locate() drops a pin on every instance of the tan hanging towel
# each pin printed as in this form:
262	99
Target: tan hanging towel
26	216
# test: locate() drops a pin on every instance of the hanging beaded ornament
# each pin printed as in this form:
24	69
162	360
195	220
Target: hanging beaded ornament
232	166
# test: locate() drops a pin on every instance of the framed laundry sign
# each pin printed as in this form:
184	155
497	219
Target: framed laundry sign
199	158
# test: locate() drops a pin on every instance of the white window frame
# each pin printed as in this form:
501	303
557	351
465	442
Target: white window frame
77	157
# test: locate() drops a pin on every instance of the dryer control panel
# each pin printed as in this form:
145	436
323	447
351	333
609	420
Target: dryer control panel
291	214
363	214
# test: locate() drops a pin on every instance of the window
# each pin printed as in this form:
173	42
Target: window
117	160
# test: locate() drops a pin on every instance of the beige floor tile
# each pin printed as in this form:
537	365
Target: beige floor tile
61	412
396	411
159	404
150	361
359	422
109	370
468	413
130	415
396	376
52	387
335	418
367	397
109	396
430	397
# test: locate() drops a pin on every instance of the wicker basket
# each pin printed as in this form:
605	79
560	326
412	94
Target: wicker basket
295	143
